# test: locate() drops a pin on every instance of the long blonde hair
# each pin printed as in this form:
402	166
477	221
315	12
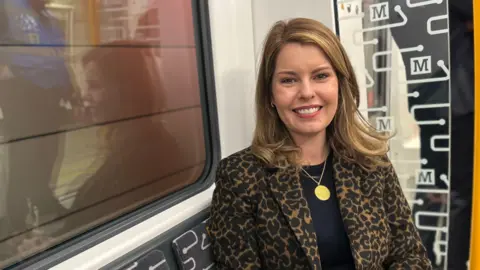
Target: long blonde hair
349	135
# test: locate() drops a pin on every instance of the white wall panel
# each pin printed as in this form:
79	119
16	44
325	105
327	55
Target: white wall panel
233	54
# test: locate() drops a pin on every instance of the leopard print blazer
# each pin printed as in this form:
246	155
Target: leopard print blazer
260	218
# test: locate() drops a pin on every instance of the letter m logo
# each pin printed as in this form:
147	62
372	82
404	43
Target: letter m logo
425	177
385	123
420	65
379	12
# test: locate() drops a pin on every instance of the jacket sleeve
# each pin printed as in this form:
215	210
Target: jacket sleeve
406	248
231	224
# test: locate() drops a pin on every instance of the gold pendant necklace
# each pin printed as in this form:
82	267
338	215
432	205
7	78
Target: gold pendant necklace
321	191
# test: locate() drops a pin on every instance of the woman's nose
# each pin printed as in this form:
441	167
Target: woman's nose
307	90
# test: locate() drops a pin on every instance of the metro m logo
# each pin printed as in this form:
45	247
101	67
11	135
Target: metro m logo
379	12
385	123
420	65
425	177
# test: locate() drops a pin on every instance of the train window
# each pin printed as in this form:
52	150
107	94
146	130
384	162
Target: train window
101	112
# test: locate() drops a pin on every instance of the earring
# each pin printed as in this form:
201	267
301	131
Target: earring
271	104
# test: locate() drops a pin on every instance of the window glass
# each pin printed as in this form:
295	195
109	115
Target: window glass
100	113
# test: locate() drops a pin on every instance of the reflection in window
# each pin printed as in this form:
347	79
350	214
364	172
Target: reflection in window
89	133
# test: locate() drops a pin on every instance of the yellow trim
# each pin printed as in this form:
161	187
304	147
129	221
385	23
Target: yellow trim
93	22
475	236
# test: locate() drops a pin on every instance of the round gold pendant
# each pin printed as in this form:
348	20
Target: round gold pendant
322	193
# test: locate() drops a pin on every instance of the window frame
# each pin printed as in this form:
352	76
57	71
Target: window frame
84	241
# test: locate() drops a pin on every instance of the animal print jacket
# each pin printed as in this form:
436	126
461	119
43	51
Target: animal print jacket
260	218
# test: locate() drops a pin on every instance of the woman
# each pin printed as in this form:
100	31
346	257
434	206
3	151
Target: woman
315	189
122	95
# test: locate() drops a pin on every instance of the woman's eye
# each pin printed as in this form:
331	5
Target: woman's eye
321	76
287	80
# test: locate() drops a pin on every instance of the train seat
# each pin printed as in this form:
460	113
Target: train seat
192	249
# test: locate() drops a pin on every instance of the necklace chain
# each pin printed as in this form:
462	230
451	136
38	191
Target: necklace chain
321	176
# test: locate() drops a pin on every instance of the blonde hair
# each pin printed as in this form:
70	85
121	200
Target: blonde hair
349	135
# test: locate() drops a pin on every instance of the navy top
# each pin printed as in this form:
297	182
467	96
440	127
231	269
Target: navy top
332	239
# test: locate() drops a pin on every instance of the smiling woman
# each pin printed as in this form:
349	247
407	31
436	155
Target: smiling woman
305	92
315	190
316	71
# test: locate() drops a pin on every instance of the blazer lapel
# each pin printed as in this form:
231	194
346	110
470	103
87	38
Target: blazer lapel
348	181
287	190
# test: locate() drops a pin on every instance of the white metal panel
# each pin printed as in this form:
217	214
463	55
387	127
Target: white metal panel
267	12
233	55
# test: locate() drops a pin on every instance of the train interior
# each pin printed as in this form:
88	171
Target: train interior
115	113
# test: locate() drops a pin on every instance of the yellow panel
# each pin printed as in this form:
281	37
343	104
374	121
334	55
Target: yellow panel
475	237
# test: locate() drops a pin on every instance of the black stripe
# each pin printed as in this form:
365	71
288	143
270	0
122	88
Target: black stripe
136	117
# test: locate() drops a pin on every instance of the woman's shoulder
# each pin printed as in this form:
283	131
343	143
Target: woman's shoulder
380	170
240	159
241	165
368	163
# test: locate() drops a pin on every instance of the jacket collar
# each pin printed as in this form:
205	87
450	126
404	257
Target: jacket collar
288	192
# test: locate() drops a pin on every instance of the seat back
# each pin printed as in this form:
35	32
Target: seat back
192	249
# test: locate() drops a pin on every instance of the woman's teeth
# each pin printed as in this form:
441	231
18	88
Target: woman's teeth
308	111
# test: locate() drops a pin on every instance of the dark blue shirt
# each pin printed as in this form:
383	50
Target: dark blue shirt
35	50
332	239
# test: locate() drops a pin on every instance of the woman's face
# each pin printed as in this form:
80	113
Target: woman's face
304	89
94	97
